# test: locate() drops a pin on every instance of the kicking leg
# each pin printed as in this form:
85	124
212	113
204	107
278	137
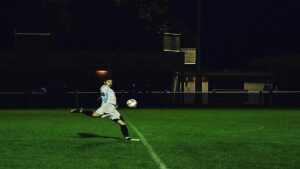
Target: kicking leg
96	114
100	112
88	113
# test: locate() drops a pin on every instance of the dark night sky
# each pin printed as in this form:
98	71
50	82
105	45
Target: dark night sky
233	31
248	29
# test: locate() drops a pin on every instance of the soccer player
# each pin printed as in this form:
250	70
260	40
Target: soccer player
109	108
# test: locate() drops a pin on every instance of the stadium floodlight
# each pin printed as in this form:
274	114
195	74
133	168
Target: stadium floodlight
172	42
102	72
189	56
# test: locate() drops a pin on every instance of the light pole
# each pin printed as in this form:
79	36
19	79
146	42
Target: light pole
199	52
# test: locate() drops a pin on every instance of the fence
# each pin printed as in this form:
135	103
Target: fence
151	99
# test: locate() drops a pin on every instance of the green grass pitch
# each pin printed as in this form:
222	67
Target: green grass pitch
228	138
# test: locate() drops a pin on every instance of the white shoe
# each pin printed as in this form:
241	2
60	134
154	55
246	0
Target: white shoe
73	110
132	139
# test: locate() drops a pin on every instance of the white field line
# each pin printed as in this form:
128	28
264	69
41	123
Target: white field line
154	156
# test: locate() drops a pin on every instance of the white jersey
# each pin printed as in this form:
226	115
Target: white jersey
108	95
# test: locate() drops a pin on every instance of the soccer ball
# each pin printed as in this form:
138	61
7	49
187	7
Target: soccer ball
132	103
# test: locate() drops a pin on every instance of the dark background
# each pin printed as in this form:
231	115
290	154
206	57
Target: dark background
260	35
233	31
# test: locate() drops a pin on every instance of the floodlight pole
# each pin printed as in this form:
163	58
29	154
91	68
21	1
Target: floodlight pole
199	52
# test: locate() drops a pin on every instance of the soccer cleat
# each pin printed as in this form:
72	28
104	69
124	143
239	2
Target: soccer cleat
74	110
77	110
135	139
132	139
81	110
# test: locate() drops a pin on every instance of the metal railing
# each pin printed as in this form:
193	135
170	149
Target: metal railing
151	99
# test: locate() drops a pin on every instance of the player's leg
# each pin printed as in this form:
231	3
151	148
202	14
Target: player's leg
83	111
100	112
123	127
116	117
87	112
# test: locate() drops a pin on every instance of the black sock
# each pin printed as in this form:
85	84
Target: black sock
87	112
124	130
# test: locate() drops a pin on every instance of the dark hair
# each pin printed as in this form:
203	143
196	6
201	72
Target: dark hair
106	79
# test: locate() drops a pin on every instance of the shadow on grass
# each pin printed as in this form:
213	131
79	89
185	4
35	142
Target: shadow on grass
89	135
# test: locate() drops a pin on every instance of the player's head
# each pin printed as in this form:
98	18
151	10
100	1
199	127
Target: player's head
108	82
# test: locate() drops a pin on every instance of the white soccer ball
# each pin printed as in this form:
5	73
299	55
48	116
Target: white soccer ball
132	103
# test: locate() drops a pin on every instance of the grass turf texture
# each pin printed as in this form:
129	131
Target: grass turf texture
182	138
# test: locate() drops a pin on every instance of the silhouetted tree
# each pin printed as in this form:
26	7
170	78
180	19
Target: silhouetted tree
94	24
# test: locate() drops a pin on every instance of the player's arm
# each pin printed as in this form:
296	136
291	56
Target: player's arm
105	96
102	93
102	96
